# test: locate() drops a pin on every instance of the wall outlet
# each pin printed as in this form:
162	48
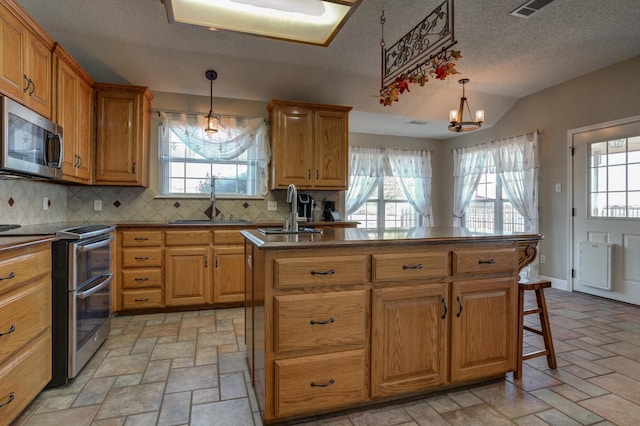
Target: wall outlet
558	187
97	205
543	258
45	203
272	205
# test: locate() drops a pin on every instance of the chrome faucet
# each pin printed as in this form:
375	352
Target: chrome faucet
213	198
292	197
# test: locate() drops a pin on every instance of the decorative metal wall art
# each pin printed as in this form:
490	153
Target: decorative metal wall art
424	52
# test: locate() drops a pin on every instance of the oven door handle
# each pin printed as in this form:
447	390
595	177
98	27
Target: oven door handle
97	244
99	287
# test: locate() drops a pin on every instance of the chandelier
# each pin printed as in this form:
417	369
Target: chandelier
211	119
456	117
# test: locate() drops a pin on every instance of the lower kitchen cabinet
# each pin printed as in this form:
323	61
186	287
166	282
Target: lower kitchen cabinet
187	280
228	274
483	328
409	350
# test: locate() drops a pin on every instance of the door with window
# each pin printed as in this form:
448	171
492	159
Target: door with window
606	208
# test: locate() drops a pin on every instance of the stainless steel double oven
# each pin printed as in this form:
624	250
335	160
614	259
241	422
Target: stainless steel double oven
82	274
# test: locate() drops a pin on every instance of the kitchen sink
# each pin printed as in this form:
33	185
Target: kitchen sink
207	222
267	231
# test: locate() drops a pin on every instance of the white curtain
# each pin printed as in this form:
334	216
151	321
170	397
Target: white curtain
235	136
366	167
516	166
414	170
468	166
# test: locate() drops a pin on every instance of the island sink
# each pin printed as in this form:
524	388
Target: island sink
267	231
207	222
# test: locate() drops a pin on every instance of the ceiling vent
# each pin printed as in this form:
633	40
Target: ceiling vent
418	122
530	8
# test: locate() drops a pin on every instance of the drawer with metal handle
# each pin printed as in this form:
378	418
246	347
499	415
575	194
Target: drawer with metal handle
474	261
408	266
140	299
318	271
141	257
141	278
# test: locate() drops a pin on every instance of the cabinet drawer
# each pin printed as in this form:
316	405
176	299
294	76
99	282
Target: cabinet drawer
27	312
141	278
317	271
141	299
406	266
483	260
228	237
189	238
23	268
141	238
25	376
307	321
319	382
141	257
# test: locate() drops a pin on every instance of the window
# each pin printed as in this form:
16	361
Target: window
386	208
189	158
488	210
614	183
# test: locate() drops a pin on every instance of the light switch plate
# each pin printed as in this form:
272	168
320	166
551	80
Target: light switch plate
272	205
45	203
97	205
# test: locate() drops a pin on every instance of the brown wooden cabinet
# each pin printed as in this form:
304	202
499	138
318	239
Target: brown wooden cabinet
138	270
409	350
483	328
123	116
309	145
73	110
187	280
25	59
25	320
228	275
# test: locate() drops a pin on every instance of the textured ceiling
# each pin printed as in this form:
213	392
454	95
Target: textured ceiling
505	57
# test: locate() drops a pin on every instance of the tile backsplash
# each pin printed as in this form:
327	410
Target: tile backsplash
22	202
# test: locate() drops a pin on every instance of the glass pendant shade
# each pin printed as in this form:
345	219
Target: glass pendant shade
211	119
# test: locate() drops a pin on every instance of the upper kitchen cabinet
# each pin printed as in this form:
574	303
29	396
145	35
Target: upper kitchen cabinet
73	110
309	145
25	59
123	116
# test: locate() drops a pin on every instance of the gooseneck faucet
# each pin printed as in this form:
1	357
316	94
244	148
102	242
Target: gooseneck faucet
292	197
213	198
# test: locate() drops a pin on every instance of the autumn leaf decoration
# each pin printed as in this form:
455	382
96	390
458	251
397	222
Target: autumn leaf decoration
439	68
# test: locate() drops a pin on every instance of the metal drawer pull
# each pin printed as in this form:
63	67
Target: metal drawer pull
142	258
146	299
444	303
322	385
8	277
329	321
141	279
12	396
141	238
13	328
418	266
329	272
459	307
490	262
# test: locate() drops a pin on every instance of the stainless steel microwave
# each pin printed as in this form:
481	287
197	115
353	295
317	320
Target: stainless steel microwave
31	144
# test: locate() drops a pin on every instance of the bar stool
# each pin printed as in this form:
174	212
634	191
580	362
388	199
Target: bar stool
537	285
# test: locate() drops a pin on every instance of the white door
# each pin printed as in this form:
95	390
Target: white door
606	202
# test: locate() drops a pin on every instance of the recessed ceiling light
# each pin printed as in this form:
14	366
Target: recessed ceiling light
306	21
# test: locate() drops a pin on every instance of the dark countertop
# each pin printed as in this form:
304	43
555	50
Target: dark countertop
7	243
334	237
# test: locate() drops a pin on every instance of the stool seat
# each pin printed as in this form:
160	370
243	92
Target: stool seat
537	285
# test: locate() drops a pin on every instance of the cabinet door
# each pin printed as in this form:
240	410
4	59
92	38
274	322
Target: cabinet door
38	69
330	150
409	349
84	143
12	41
228	280
66	96
122	135
483	328
186	276
292	147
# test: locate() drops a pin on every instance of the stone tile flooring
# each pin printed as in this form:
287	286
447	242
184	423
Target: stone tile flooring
188	368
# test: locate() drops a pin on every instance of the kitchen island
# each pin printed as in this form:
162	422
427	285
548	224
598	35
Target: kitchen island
349	317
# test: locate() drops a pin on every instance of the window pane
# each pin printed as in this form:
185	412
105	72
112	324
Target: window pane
598	154
634	177
617	178
633	145
176	185
617	204
598	206
480	216
634	204
598	179
512	221
199	170
617	151
176	169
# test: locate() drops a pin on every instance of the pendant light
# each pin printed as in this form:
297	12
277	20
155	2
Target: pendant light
211	119
456	117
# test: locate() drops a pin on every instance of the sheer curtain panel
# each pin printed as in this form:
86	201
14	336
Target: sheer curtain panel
414	170
366	167
468	166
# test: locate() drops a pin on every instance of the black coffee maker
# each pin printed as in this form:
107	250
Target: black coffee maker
305	206
329	213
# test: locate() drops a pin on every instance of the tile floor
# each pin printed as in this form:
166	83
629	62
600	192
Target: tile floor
188	368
